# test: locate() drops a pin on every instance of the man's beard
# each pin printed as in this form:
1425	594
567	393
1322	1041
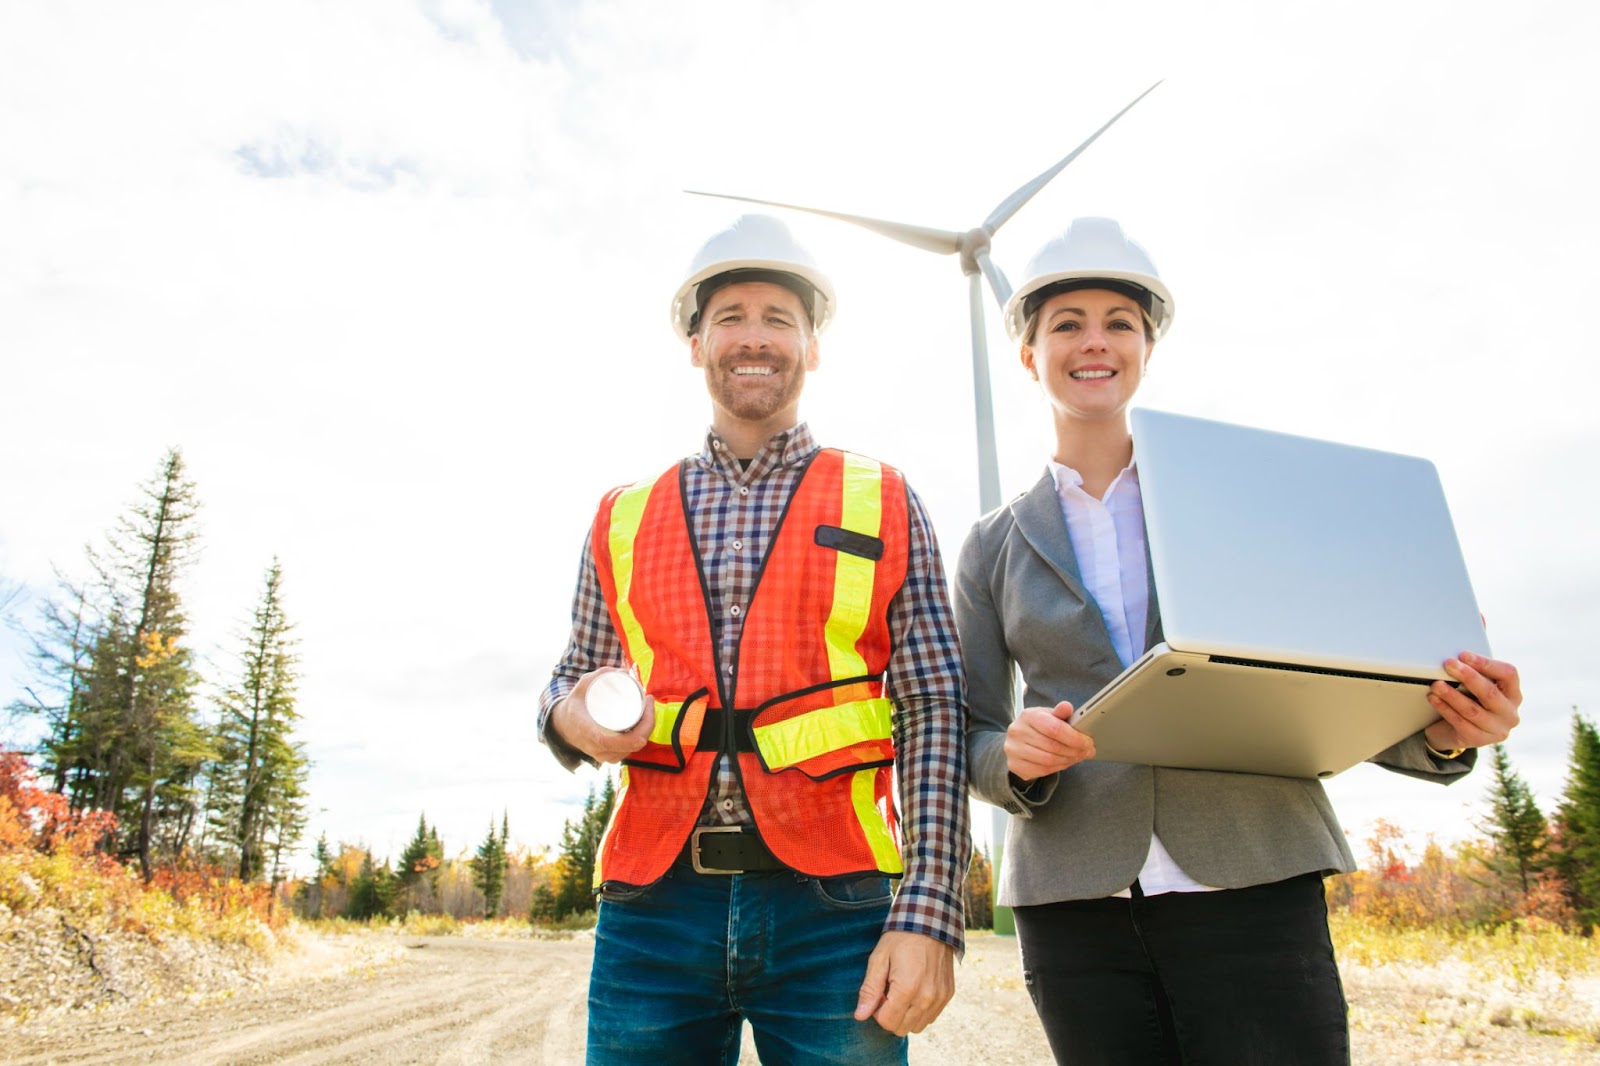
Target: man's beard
758	404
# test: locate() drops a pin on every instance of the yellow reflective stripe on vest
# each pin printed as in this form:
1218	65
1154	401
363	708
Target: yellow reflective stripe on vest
825	729
627	511
864	795
853	575
666	721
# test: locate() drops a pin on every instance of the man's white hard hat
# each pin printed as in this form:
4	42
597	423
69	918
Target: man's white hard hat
1091	249
754	248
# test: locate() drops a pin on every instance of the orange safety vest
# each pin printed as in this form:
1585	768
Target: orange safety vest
811	731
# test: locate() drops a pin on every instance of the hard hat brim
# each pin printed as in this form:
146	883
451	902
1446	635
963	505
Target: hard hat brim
1160	318
685	303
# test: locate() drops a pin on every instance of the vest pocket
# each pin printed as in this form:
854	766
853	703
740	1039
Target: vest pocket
826	731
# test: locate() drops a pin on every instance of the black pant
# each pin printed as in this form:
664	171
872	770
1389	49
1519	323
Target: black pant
1233	977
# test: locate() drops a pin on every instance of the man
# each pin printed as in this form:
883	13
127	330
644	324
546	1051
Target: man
784	608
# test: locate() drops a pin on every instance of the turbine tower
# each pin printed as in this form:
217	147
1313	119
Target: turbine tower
972	248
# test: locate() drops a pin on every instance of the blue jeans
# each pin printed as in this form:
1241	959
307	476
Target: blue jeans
678	965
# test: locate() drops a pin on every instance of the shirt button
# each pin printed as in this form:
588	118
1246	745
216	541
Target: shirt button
734	610
728	670
744	490
727	804
738	545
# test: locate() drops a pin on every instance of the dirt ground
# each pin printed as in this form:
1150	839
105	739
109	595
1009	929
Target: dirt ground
464	1000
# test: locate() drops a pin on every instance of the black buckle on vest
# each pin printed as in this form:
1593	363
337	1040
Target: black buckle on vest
744	740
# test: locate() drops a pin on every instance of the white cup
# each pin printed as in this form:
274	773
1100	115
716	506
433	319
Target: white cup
615	700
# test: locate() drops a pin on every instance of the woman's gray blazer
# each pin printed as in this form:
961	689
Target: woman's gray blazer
1084	833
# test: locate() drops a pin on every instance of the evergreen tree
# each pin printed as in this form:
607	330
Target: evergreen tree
1515	824
127	738
580	849
372	891
61	657
543	908
260	771
1577	832
421	865
489	867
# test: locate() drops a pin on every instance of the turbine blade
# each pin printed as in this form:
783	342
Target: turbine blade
1013	203
932	240
996	278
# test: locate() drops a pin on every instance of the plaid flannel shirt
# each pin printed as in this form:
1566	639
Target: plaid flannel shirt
734	509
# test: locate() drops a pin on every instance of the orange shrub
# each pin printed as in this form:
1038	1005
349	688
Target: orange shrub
49	857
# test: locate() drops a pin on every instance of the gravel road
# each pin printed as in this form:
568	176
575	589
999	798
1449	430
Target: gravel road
465	1000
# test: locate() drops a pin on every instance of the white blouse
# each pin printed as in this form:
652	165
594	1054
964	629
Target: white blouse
1108	541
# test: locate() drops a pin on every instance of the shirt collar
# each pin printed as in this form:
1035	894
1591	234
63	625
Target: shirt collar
789	448
1070	483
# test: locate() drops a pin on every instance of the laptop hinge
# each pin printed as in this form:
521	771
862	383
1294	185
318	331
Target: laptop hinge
1298	668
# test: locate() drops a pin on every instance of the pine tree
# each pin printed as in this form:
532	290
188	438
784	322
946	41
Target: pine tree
61	657
421	865
1515	825
1577	830
580	850
259	774
543	908
489	867
372	891
132	742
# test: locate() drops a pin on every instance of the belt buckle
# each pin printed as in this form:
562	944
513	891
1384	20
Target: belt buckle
694	847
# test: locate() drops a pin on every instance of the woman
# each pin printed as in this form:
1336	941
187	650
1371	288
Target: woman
1163	915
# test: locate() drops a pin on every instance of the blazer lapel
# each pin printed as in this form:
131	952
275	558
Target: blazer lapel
1039	520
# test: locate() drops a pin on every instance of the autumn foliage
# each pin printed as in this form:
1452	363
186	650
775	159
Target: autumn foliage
32	818
1457	888
50	861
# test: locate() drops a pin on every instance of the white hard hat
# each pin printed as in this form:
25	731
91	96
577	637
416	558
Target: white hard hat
1091	249
761	245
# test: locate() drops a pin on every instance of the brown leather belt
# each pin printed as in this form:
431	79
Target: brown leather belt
718	849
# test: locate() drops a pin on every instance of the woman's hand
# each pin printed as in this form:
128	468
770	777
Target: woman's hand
1484	717
1039	742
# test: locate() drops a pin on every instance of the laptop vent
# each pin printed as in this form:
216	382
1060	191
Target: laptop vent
1229	660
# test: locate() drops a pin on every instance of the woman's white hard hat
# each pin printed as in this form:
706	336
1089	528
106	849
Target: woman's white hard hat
1089	249
761	245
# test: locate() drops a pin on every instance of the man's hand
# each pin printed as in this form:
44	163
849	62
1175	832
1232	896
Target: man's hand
1485	713
573	724
910	978
1039	742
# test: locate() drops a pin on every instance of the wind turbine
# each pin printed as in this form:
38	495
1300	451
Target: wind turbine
973	249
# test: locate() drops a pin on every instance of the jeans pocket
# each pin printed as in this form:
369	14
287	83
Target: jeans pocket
618	892
853	893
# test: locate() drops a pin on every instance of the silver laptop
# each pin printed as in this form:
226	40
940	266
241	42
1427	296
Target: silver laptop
1309	593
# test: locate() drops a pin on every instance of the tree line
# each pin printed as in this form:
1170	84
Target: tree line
197	771
1528	866
494	881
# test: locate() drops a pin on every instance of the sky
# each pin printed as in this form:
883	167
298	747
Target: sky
395	277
